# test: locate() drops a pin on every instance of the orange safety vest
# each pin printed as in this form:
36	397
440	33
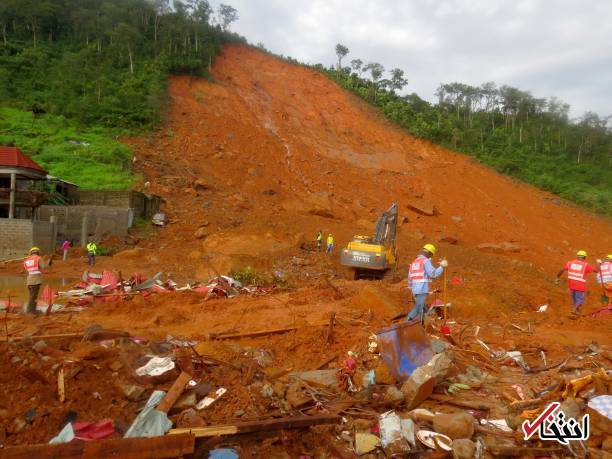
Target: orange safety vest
416	273
606	271
31	264
576	270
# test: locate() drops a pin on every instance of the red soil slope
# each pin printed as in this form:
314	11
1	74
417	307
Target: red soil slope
264	124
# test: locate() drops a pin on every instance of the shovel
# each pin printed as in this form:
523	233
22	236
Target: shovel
603	298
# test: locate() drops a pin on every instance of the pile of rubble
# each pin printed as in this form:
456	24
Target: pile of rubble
402	392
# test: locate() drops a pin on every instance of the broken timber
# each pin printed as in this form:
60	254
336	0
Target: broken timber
178	387
258	426
253	334
515	451
125	448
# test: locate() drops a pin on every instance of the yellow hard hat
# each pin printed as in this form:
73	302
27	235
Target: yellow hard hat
430	248
581	253
34	249
609	256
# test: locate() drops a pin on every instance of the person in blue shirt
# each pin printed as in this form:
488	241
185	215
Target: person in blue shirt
420	272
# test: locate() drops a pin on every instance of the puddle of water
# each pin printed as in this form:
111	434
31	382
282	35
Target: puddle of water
15	286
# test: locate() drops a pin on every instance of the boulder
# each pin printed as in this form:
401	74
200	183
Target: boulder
133	392
200	233
455	425
499	247
422	207
463	448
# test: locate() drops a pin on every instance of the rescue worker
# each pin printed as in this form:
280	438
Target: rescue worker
421	270
605	276
92	251
577	271
319	240
33	265
330	243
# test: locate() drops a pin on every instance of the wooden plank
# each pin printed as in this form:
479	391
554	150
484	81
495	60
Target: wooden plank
141	448
61	389
62	335
254	333
174	393
474	405
124	448
297	422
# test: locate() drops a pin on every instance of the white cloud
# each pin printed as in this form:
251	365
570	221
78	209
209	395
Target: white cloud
559	47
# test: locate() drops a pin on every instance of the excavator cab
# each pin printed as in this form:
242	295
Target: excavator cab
372	256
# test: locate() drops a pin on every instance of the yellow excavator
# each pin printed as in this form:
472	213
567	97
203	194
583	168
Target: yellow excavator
373	256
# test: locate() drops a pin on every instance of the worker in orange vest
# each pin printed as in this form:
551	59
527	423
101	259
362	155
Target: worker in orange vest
605	276
577	271
33	265
420	272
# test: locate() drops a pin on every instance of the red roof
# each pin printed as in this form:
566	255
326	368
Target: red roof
14	157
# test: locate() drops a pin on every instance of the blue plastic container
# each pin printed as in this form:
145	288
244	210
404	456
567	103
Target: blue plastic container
404	347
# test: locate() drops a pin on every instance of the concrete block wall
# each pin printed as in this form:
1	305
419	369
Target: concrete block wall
101	220
144	206
16	237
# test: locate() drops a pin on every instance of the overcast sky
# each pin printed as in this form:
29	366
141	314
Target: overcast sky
554	47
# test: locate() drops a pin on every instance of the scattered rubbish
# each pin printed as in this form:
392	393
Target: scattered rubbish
366	443
408	429
159	219
207	401
390	428
156	366
150	422
500	424
434	440
455	387
543	308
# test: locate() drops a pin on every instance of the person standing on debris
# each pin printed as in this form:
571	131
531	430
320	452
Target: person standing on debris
33	265
420	272
65	248
92	251
577	271
330	243
605	276
319	240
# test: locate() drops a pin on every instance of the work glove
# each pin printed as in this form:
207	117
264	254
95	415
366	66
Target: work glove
444	264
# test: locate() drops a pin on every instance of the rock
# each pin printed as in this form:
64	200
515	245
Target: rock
463	448
200	233
200	185
115	365
39	346
296	397
133	392
393	395
422	381
501	247
189	418
269	192
317	378
239	413
423	207
449	240
405	220
456	425
15	359
366	443
456	219
571	408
